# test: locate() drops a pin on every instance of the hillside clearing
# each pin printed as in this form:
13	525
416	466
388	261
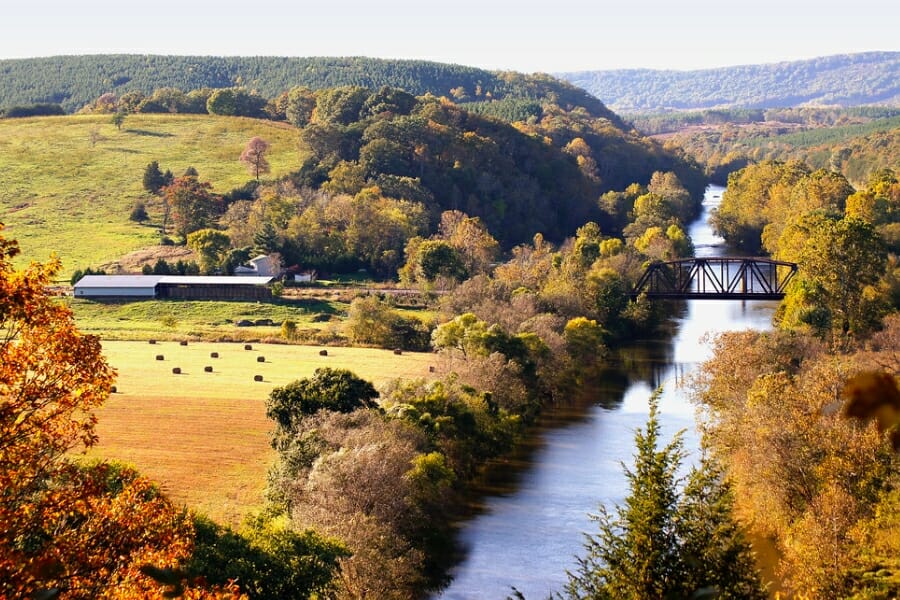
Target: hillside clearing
67	184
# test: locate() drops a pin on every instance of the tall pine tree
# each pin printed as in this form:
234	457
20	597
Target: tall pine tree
671	539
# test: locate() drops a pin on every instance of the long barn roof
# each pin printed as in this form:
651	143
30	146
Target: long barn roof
150	281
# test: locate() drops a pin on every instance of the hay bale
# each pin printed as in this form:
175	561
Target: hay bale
214	355
160	357
112	390
248	347
260	359
323	352
207	369
152	341
257	378
183	342
176	370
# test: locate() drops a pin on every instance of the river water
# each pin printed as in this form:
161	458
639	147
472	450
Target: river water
528	523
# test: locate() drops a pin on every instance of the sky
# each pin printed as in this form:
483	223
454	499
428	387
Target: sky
524	35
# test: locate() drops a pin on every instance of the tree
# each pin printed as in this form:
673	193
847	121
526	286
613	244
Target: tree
211	245
139	212
336	390
67	530
840	259
154	180
194	205
667	541
118	119
254	156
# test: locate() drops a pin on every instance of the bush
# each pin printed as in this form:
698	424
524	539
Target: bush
267	559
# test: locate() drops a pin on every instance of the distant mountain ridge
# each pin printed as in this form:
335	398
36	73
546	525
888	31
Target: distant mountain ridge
841	80
73	81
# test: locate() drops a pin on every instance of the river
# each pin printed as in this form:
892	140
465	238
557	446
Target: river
527	526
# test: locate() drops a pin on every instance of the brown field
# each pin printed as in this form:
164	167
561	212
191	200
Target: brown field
204	436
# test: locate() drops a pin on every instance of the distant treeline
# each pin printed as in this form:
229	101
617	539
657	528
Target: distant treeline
843	80
73	81
655	123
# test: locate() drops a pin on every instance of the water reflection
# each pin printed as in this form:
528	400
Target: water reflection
527	528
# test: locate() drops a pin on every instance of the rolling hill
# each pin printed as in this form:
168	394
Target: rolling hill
841	80
73	81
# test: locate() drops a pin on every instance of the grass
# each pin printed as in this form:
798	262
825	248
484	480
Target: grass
67	184
204	436
206	319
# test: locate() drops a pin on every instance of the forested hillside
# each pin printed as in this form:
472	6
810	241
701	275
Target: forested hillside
855	142
842	80
73	81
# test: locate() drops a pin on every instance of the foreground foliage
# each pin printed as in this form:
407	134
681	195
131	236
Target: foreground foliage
66	530
671	539
822	487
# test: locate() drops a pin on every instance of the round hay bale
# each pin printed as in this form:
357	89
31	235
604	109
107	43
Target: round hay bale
176	370
160	357
248	347
260	359
152	341
183	342
214	355
257	378
323	352
112	390
207	369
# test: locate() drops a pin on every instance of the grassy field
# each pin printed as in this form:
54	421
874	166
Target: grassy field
204	436
67	184
197	319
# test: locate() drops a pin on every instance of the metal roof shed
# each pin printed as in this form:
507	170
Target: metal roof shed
188	287
117	286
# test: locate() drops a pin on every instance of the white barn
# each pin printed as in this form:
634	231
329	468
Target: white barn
117	286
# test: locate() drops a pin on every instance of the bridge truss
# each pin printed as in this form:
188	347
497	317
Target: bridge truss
712	278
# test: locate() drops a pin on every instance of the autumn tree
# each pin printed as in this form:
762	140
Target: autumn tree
839	261
193	203
254	156
67	530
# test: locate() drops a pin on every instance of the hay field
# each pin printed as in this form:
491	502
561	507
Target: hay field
204	436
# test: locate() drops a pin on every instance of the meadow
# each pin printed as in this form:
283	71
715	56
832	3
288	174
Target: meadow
68	184
204	436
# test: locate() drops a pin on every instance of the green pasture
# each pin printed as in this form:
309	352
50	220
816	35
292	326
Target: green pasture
204	435
67	184
199	319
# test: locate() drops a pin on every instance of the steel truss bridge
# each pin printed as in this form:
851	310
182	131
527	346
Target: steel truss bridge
712	278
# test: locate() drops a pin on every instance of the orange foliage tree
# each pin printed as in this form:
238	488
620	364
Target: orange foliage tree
67	530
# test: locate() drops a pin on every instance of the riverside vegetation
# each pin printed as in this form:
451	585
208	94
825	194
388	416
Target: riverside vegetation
365	480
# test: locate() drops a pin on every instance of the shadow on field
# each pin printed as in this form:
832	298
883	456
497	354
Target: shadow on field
148	133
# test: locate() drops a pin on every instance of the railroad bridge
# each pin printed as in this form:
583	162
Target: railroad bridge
715	278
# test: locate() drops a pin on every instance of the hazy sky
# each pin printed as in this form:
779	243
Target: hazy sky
520	35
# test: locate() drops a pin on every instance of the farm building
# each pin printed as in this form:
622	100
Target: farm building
261	266
182	287
117	286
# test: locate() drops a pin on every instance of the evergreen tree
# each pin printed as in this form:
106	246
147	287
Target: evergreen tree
154	180
669	540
